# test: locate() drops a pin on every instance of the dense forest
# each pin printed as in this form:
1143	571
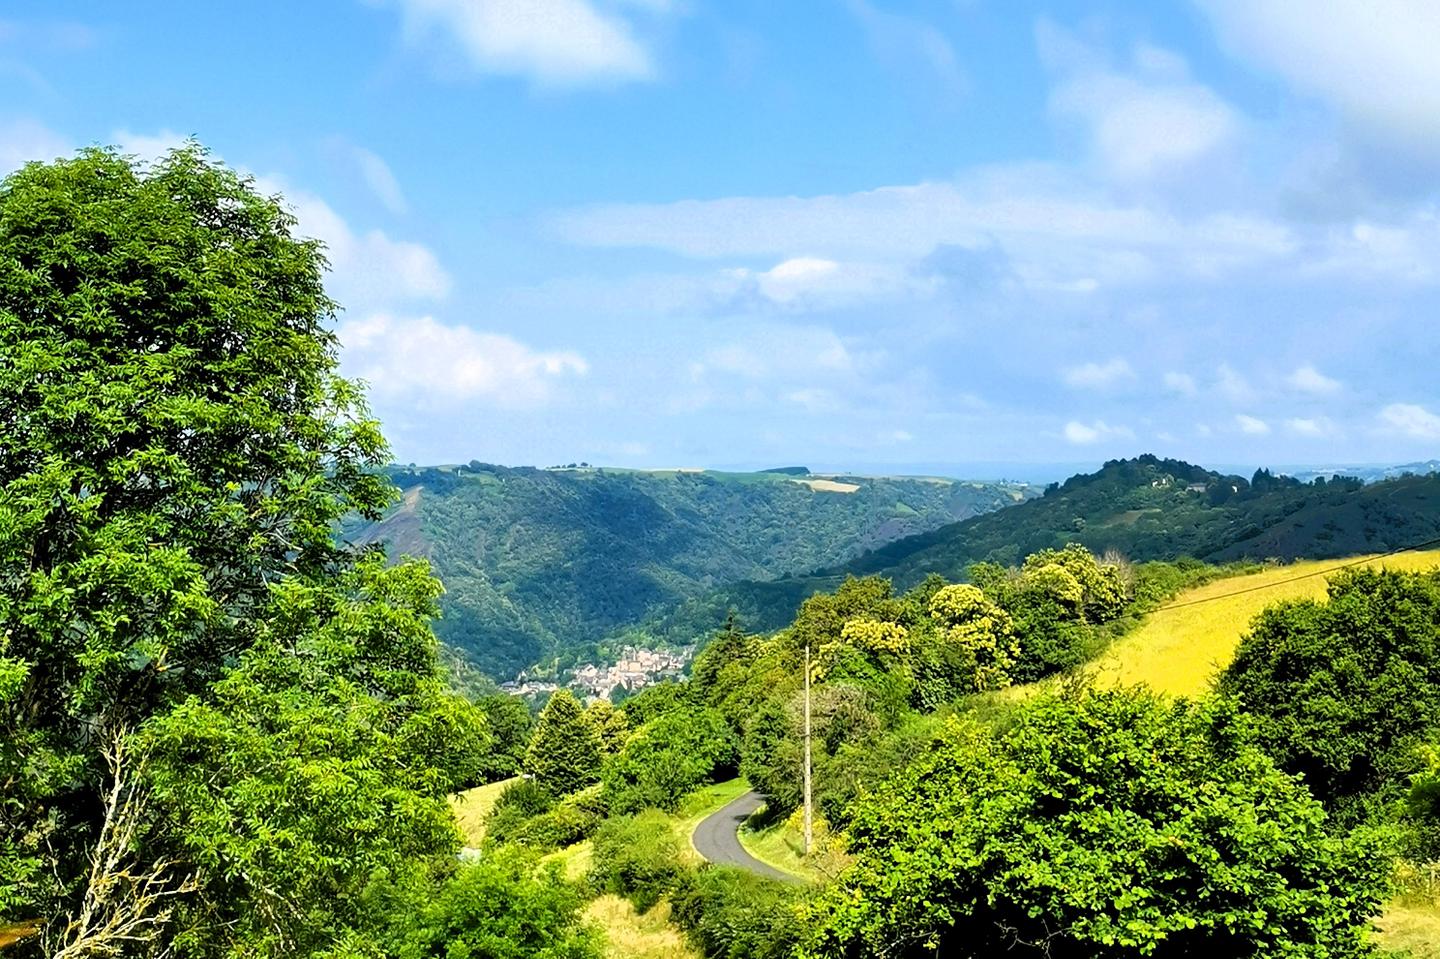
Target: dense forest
542	563
1143	508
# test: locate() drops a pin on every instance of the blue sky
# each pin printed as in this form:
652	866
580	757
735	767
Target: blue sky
848	233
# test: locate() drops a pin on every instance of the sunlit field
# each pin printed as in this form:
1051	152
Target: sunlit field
1181	646
471	808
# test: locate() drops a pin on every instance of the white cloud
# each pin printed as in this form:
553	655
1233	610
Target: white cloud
1098	375
1411	420
1055	231
380	179
1375	60
369	268
1231	385
554	43
423	359
1307	379
1139	123
24	140
1182	383
148	147
1316	427
1084	434
1251	425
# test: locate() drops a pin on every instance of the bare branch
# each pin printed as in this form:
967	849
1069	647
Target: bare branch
128	900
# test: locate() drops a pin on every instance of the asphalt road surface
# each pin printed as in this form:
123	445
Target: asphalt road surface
716	841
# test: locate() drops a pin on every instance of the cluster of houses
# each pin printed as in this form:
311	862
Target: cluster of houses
636	669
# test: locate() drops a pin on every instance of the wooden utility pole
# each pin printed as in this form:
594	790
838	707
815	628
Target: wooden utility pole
809	815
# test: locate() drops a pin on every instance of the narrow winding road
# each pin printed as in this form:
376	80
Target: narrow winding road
715	838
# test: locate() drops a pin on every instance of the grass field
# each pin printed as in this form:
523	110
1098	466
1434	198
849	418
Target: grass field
629	935
1180	647
782	845
472	806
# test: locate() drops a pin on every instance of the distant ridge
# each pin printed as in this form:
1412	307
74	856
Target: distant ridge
1145	508
541	565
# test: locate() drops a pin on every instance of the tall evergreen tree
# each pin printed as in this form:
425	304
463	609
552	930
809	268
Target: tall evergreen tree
565	748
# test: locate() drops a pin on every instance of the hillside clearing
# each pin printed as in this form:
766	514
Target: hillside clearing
629	935
1179	648
828	486
472	806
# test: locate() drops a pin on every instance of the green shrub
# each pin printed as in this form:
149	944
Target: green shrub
1344	691
497	908
519	802
729	913
562	826
637	857
1110	824
668	758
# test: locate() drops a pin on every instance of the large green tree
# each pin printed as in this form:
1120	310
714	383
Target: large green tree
565	749
1105	825
176	451
1344	690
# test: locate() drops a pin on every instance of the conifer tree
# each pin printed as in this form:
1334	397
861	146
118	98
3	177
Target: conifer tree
564	752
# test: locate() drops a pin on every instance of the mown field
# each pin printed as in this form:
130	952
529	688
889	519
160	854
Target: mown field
1181	646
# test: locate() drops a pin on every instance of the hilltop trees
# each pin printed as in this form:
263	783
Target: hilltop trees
176	451
565	748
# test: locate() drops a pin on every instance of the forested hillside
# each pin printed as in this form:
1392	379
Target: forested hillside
1144	508
538	563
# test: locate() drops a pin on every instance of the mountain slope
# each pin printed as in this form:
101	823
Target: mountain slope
539	563
1145	508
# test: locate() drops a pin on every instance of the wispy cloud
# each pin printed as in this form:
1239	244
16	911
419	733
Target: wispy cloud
1251	425
1086	434
1307	379
1098	375
380	179
1410	420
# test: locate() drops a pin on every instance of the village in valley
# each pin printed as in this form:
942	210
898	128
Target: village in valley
635	669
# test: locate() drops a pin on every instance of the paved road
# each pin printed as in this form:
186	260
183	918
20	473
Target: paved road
715	838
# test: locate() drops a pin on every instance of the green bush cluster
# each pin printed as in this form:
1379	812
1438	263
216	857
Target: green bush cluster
669	757
637	857
729	913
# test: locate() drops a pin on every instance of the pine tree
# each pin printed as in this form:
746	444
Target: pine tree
564	752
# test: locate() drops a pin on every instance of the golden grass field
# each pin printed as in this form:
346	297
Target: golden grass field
472	806
1180	647
629	935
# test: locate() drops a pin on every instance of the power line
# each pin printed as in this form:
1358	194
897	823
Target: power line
1295	579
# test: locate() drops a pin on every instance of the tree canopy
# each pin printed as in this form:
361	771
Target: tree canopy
1112	824
176	454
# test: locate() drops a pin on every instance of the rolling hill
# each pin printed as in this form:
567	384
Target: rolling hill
1145	508
545	563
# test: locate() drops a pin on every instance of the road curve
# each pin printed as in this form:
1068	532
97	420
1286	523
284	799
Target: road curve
716	841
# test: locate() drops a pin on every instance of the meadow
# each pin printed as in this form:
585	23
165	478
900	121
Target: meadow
1181	646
